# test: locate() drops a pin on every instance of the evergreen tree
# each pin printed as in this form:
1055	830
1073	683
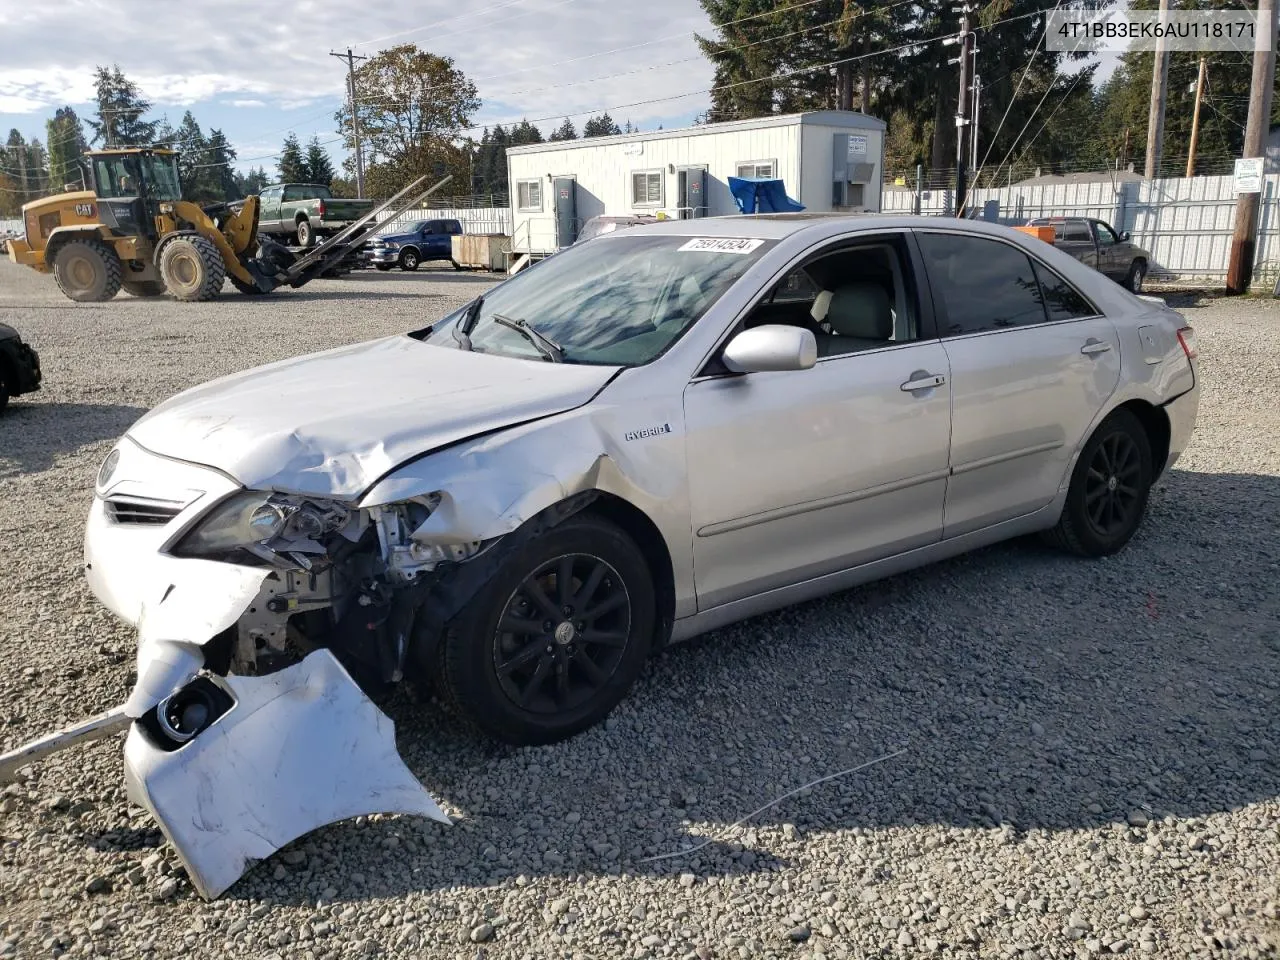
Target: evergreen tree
525	133
65	136
219	179
192	146
120	108
601	126
292	166
251	183
13	165
38	181
566	131
319	167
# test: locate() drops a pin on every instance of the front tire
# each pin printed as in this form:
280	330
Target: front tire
192	268
409	260
1109	489
87	271
555	639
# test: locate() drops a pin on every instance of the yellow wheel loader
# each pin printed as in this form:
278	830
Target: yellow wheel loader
133	231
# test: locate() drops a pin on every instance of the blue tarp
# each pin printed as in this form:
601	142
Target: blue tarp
762	196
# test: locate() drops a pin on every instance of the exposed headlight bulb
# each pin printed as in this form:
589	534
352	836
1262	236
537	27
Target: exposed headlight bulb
266	521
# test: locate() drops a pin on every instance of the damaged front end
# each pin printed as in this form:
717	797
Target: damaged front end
266	621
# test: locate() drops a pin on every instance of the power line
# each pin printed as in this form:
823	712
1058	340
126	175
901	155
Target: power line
657	66
645	43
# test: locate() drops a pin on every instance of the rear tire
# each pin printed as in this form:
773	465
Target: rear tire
144	288
87	271
1109	489
306	235
534	685
1137	274
409	260
192	268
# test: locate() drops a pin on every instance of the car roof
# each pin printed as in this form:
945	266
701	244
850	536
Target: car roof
779	226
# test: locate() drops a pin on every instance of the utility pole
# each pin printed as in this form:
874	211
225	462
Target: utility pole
962	112
1245	237
1195	120
1159	87
351	59
977	107
22	173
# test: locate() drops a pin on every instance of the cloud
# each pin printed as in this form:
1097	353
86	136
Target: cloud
529	58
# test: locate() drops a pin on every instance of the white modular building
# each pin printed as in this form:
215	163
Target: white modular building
830	160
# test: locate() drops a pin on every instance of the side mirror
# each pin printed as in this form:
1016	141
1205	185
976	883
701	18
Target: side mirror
1124	236
773	347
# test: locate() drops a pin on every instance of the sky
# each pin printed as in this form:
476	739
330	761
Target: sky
257	71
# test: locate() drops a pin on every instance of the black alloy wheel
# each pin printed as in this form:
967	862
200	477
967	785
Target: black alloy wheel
562	634
554	638
1111	491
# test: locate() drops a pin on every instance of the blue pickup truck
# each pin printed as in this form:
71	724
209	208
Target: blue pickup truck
420	241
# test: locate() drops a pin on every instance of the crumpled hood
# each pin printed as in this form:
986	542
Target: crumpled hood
332	423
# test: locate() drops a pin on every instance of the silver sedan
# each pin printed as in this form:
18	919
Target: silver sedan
632	442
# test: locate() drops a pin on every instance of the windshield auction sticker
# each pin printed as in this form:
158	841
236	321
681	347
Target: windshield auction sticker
720	245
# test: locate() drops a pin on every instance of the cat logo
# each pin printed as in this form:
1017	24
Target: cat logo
85	210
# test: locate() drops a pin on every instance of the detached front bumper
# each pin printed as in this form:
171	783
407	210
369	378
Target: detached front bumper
386	255
231	767
293	751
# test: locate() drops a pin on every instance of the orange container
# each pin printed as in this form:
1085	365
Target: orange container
1042	233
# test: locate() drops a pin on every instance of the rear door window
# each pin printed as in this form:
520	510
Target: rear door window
979	284
1061	300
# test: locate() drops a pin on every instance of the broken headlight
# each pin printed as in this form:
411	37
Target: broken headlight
251	521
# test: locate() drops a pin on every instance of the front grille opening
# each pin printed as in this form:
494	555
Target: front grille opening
142	510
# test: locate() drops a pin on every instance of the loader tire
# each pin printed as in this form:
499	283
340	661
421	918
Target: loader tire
192	268
143	288
87	271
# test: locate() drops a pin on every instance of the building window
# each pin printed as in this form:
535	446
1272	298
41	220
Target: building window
646	188
529	195
758	169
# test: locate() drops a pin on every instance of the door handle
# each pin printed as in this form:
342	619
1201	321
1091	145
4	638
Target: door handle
1092	346
923	380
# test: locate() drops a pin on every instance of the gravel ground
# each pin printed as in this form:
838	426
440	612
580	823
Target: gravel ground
1090	759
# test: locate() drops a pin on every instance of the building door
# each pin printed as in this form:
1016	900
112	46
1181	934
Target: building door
691	192
566	200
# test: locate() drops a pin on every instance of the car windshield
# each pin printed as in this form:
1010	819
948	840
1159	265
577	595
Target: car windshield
621	301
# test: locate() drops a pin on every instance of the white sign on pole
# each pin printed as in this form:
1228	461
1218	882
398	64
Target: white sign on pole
1248	175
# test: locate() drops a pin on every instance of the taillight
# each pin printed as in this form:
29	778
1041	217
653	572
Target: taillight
320	208
1187	337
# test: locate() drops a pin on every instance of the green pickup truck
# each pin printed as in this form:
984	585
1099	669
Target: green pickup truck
300	212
